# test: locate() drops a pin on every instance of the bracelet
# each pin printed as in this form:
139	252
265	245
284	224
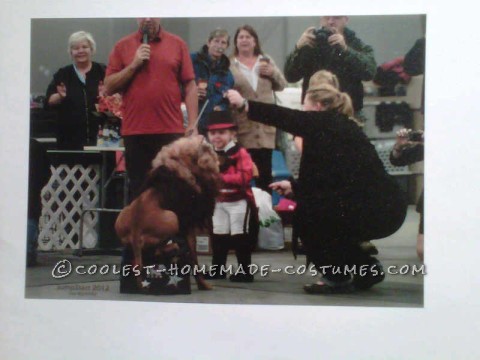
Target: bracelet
244	105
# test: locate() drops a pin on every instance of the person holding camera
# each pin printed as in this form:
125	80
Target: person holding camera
335	48
409	149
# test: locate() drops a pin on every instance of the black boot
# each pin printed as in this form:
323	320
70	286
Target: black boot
220	246
244	257
372	274
368	271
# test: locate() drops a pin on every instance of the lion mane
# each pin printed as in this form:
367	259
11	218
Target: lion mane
186	175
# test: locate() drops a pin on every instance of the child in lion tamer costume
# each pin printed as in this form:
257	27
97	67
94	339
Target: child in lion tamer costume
235	209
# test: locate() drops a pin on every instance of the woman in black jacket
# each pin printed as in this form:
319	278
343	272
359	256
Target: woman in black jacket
344	195
74	91
409	149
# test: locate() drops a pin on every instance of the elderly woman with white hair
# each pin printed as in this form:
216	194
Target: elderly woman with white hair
73	92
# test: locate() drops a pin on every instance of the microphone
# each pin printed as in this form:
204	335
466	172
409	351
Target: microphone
145	35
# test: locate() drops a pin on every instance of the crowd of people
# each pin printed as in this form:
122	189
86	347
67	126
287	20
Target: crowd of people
344	195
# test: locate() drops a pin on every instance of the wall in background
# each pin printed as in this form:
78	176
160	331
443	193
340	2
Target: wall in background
389	35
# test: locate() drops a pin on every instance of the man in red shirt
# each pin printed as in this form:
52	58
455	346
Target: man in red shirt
152	69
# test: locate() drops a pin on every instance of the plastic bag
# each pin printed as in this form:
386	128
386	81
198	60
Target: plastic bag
270	235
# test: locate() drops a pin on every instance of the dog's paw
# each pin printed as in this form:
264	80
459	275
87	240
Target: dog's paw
204	285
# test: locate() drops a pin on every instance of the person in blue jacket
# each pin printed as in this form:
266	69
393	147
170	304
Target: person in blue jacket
212	75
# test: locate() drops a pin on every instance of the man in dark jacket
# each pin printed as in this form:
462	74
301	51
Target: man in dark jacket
212	75
335	48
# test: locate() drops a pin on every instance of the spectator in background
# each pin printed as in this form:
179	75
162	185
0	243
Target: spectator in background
414	64
256	78
409	145
212	75
409	149
414	61
150	68
74	91
38	176
335	48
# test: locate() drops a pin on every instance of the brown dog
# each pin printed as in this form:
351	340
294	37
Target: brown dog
177	198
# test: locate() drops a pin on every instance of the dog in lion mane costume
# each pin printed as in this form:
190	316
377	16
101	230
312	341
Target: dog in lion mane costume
177	198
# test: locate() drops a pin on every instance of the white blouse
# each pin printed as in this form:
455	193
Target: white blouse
252	74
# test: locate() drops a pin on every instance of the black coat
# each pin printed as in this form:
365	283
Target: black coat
76	124
343	189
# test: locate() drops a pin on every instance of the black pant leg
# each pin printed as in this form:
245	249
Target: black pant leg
137	161
243	250
220	247
263	160
140	150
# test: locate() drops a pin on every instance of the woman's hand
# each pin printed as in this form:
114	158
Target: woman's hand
57	98
401	141
266	69
283	187
235	98
101	89
62	90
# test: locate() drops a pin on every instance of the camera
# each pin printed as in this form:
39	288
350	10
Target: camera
416	136
321	36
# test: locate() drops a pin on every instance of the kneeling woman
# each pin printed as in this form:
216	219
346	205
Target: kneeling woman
344	194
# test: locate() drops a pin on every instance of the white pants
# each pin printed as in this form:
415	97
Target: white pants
229	217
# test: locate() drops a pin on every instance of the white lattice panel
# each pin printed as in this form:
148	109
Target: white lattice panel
69	189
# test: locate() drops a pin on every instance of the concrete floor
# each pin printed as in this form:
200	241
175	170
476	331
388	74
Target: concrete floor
277	288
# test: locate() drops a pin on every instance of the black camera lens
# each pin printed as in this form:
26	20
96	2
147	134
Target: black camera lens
322	35
415	136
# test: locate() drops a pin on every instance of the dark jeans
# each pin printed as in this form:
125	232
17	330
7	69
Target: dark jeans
32	241
140	150
263	159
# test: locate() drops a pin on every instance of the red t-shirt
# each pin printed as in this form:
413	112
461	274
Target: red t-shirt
151	102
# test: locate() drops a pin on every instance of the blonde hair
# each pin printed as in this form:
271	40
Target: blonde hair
332	99
324	77
81	36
